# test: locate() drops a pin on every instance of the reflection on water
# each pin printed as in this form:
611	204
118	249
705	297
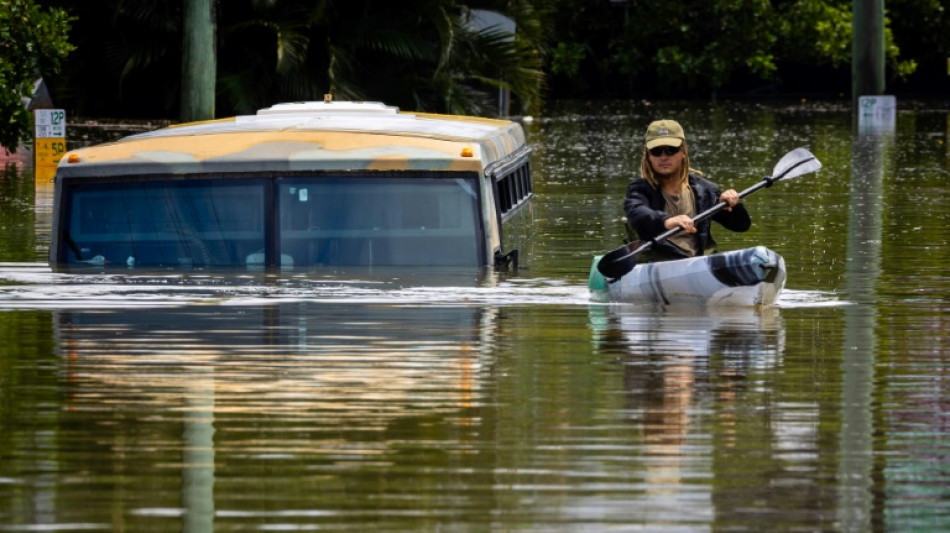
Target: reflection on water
338	364
370	411
700	387
471	401
214	398
871	152
35	286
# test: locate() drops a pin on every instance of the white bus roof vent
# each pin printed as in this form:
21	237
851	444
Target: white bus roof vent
314	108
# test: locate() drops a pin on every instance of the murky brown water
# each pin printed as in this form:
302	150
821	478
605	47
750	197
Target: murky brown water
474	402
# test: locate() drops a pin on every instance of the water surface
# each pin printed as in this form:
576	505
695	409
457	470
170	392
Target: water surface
474	401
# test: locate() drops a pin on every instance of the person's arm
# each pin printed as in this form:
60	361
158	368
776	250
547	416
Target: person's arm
734	216
642	217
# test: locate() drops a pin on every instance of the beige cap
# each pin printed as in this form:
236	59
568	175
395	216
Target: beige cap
665	133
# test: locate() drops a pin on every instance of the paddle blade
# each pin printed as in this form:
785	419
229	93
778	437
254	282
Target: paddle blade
617	263
795	163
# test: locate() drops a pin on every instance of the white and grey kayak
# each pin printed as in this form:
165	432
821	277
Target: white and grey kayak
749	277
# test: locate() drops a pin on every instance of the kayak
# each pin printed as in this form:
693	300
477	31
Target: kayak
748	277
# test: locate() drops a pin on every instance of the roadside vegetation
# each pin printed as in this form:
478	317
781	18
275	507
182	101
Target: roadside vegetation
426	55
32	41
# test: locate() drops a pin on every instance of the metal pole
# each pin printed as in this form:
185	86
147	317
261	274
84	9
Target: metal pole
867	49
199	62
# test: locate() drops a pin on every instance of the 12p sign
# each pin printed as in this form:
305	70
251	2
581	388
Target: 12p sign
49	142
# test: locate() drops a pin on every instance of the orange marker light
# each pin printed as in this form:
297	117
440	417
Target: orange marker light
467	152
73	158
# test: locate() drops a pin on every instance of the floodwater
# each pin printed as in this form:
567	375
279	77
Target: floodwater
470	401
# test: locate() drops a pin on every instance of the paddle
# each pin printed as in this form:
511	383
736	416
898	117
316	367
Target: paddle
619	262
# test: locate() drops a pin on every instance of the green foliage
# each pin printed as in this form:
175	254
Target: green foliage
418	54
819	32
33	42
902	69
697	47
566	58
686	48
921	27
816	32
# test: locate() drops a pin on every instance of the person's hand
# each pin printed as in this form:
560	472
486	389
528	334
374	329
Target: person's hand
682	221
731	197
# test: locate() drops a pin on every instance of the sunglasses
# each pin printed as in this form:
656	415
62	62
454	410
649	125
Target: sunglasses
668	150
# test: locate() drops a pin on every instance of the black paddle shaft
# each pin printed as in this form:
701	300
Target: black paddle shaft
714	209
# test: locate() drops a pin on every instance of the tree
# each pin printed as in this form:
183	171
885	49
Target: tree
921	27
416	54
33	41
696	48
701	46
818	32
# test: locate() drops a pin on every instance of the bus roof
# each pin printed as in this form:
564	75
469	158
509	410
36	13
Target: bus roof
306	136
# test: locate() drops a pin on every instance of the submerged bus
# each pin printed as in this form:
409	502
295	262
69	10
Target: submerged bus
299	185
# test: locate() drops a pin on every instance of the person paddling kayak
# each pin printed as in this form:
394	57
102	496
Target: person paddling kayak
669	194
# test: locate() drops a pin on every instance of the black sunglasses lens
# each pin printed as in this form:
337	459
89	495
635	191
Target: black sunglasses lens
668	150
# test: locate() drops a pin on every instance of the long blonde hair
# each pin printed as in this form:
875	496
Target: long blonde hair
646	170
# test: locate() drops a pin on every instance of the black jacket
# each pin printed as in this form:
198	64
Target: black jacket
645	209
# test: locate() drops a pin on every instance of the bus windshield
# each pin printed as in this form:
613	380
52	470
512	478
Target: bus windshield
314	220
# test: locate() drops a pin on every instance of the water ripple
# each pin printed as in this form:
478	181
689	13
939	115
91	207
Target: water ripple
35	286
